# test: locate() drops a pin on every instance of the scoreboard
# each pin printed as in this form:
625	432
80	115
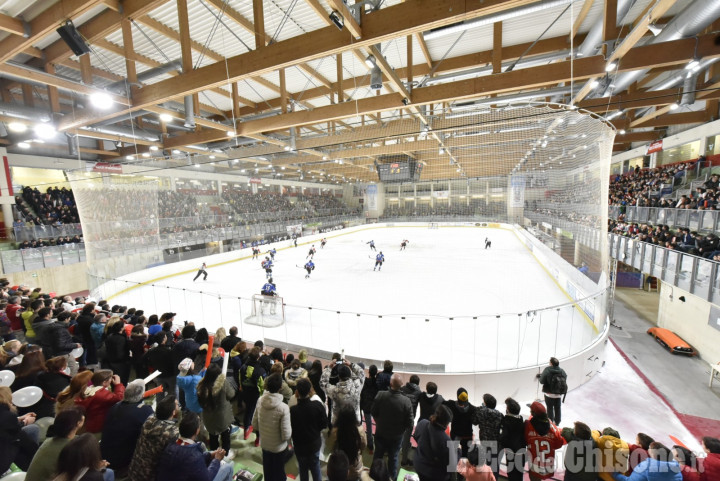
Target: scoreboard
398	168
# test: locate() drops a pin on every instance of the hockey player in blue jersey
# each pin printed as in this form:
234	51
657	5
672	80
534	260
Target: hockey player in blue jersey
309	267
379	259
372	245
269	290
267	265
272	253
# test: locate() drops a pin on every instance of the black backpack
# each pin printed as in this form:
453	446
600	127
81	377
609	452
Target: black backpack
558	383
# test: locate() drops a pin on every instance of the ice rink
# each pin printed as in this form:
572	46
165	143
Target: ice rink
445	300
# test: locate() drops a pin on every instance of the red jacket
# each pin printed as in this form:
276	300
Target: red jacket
13	316
97	403
710	468
541	449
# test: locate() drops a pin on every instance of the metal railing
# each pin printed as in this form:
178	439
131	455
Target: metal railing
693	219
41	257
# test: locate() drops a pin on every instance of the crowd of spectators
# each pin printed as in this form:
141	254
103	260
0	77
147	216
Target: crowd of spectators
682	239
175	204
54	207
475	207
50	242
103	427
264	205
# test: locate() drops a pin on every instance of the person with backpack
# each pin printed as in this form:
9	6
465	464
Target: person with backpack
554	381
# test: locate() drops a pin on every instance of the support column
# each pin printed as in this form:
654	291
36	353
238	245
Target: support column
7	195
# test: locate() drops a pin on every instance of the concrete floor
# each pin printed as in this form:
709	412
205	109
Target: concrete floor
681	380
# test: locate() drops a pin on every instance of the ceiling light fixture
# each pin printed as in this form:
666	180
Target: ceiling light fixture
146	155
674	106
129	157
370	61
166	118
175	151
610	67
154	148
654	29
17	127
44	131
101	100
231	133
23	145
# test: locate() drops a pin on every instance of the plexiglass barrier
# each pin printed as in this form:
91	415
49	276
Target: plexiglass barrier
693	219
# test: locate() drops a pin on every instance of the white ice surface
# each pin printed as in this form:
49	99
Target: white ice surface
443	274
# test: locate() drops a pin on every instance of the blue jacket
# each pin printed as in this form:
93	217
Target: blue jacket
96	331
186	463
653	470
188	384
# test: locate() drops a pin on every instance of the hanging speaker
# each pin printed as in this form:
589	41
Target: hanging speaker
73	39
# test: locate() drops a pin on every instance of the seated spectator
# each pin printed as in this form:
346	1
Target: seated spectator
185	459
159	431
478	471
580	462
66	398
711	463
44	463
80	460
18	434
104	392
639	451
122	427
688	463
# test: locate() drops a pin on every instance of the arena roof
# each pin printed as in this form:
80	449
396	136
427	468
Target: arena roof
277	83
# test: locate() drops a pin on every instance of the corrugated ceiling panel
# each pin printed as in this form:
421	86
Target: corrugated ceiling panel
108	61
280	22
255	92
216	100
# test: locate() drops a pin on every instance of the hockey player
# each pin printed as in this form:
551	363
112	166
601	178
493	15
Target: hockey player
295	241
256	252
267	265
272	253
268	289
201	271
487	243
404	244
323	242
311	253
309	267
379	259
372	245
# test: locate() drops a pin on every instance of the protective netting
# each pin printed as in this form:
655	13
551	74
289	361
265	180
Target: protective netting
119	217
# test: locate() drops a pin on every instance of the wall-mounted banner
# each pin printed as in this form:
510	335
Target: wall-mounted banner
371	196
517	185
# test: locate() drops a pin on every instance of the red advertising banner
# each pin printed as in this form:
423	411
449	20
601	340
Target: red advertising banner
656	146
255	180
110	168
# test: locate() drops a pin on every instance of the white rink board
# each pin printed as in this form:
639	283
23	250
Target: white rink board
443	274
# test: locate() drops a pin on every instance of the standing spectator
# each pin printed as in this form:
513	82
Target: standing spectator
711	463
554	381
542	438
580	462
660	466
123	425
187	382
304	362
433	456
28	317
97	399
349	437
138	345
64	429
367	397
410	390
66	398
688	463
383	379
295	373
512	440
160	358
488	419
214	394
307	420
338	467
158	432
185	459
285	391
272	422
52	382
429	401
80	460
347	390
640	452
13	311
461	427
252	380
393	415
230	341
117	356
60	342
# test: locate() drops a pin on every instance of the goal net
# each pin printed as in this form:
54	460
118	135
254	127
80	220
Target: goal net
433	225
267	311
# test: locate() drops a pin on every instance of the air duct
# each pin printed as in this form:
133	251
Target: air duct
689	86
143	77
593	39
137	134
189	112
694	19
23	112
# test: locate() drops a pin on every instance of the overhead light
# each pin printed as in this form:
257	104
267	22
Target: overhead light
17	127
166	117
325	157
693	64
129	157
44	131
23	145
212	156
621	132
674	106
175	151
197	165
610	67
594	84
154	148
101	100
337	19
231	133
146	155
282	168
370	61
441	151
654	29
287	148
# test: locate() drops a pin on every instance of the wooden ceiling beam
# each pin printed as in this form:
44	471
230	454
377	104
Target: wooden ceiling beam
631	101
648	136
675	119
12	25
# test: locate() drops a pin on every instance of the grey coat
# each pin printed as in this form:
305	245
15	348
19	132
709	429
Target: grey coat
217	418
